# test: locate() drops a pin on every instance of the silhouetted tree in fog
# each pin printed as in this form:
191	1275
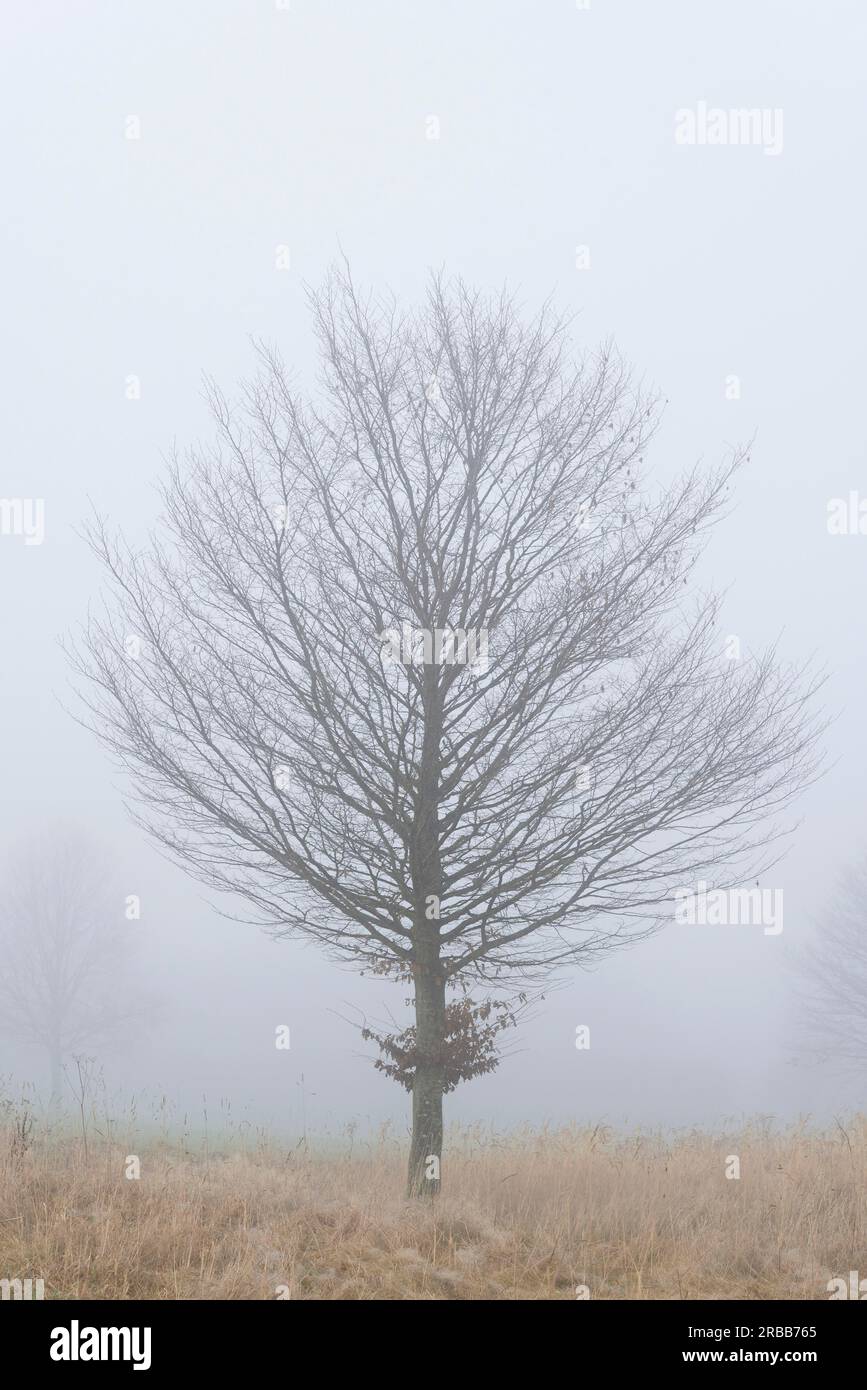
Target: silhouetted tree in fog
63	949
420	676
834	970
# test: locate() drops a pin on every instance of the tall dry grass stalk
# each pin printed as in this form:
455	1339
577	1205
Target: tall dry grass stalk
531	1215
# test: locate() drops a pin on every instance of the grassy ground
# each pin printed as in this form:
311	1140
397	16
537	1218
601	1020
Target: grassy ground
527	1216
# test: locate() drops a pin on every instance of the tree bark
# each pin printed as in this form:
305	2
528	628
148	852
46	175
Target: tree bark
426	1146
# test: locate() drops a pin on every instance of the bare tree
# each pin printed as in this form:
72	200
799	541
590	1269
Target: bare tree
63	950
417	672
833	990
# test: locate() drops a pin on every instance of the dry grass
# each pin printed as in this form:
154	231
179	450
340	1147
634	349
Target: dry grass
529	1216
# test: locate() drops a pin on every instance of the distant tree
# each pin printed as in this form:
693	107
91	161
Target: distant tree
833	968
64	950
414	671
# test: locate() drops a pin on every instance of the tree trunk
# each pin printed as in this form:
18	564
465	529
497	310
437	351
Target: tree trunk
56	1061
426	1147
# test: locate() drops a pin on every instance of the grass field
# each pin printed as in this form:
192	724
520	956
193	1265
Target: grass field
530	1215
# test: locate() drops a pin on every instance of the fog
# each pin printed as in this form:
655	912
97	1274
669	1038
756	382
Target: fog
503	142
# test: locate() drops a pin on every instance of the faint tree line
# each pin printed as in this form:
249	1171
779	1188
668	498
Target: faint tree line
65	951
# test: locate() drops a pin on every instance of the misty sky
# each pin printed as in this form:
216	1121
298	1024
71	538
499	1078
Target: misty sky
308	127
